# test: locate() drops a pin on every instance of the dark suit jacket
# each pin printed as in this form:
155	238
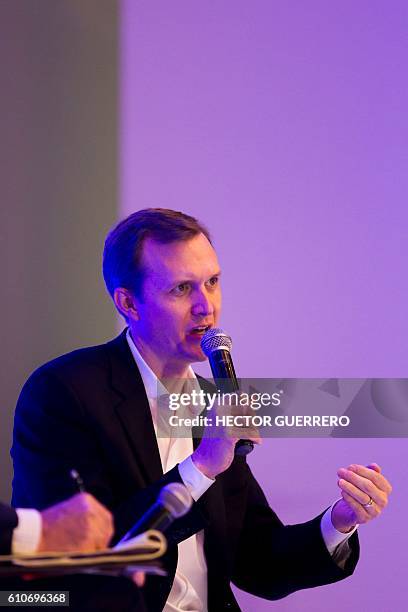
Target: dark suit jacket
8	522
88	410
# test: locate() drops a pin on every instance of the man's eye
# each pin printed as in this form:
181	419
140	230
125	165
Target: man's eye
213	281
180	289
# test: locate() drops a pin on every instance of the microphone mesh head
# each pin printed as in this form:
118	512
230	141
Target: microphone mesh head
176	498
214	339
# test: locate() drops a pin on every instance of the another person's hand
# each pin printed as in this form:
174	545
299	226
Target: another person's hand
139	578
215	453
80	524
365	494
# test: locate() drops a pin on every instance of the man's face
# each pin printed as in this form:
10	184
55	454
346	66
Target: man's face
180	299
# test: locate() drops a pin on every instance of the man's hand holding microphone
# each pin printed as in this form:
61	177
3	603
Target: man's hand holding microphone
221	442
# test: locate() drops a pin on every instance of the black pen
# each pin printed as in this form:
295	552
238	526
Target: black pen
78	480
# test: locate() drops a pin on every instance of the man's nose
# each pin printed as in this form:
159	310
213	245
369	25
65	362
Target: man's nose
202	304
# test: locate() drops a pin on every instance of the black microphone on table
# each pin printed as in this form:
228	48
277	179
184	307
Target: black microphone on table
174	501
216	345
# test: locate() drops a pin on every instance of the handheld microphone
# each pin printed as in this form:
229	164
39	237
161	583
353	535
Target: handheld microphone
216	345
174	501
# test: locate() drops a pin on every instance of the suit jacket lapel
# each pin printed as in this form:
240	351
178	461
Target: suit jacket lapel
133	409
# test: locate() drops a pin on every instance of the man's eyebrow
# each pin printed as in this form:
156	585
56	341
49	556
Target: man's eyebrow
183	280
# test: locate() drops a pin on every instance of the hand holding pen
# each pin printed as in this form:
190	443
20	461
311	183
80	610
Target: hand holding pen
78	524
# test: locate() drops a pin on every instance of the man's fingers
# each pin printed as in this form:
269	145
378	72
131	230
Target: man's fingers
360	496
99	522
98	539
86	501
362	515
139	578
245	433
361	488
373	475
103	526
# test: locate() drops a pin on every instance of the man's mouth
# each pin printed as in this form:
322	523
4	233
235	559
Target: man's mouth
199	330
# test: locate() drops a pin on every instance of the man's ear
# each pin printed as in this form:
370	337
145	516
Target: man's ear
126	304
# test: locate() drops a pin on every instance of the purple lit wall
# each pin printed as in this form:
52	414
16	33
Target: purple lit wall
283	126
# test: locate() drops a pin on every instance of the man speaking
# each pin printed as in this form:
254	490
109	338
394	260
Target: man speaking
98	409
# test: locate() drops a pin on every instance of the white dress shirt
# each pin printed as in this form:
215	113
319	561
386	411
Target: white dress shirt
189	590
26	536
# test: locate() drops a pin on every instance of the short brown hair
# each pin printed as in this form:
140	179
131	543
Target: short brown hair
123	245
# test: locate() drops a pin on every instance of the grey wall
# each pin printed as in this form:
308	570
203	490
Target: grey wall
58	170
